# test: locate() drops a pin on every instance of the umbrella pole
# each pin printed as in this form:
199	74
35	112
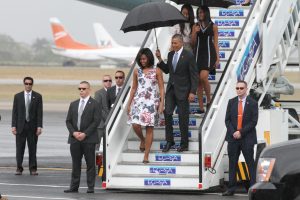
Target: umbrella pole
156	38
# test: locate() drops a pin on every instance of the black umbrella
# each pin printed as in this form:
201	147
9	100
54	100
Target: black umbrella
150	16
209	3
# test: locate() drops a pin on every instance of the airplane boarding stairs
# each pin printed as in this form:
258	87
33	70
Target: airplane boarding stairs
241	35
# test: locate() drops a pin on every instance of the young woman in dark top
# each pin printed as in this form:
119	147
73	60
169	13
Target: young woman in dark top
206	51
185	29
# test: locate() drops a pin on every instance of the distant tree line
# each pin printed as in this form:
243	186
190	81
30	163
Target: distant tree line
39	52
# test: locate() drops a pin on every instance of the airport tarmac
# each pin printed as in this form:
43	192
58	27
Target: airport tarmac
54	164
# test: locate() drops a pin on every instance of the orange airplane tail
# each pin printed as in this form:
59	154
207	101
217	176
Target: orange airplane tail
63	39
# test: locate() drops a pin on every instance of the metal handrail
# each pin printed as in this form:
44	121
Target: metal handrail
215	93
117	106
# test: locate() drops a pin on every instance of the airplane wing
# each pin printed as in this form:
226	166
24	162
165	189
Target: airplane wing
120	5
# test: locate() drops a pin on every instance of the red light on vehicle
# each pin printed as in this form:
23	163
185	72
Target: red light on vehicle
99	159
207	160
104	184
200	186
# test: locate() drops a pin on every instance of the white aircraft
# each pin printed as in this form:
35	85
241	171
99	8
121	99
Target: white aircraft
107	48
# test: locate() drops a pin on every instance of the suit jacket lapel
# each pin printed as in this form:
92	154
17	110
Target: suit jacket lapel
181	57
236	106
114	90
23	102
87	105
245	108
32	99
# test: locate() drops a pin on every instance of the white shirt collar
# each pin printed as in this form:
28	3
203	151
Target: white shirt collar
85	99
179	51
30	93
243	99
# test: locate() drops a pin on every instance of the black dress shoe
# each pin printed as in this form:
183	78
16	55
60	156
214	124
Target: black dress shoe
18	172
34	173
246	4
228	193
90	191
168	146
181	149
70	191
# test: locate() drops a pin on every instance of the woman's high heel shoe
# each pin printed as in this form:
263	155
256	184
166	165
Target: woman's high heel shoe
142	149
145	161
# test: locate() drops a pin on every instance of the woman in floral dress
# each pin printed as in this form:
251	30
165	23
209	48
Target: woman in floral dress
146	99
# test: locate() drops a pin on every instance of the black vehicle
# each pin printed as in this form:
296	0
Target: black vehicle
278	173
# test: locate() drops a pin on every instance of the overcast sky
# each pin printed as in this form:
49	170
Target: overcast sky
25	20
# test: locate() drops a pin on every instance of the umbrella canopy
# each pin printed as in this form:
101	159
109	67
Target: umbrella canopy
209	3
152	15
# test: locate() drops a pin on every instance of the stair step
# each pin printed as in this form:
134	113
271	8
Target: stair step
229	33
225	44
161	157
159	164
157	169
224	55
193	121
133	144
159	152
160	134
294	131
181	183
222	66
237	12
156	176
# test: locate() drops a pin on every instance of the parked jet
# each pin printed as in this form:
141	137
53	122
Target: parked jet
107	48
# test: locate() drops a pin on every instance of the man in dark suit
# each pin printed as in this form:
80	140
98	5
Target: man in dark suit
82	121
241	119
27	123
100	97
114	91
181	90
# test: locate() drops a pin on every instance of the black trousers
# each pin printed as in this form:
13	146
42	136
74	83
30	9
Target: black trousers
234	150
183	112
28	134
100	132
78	150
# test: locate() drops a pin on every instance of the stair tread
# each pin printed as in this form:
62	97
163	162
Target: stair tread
155	176
160	152
163	128
159	164
229	17
154	187
159	140
229	27
227	38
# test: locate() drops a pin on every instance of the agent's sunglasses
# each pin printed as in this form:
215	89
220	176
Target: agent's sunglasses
119	77
107	81
82	89
27	83
239	88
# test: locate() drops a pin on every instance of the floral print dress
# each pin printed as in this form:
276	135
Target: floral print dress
144	106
